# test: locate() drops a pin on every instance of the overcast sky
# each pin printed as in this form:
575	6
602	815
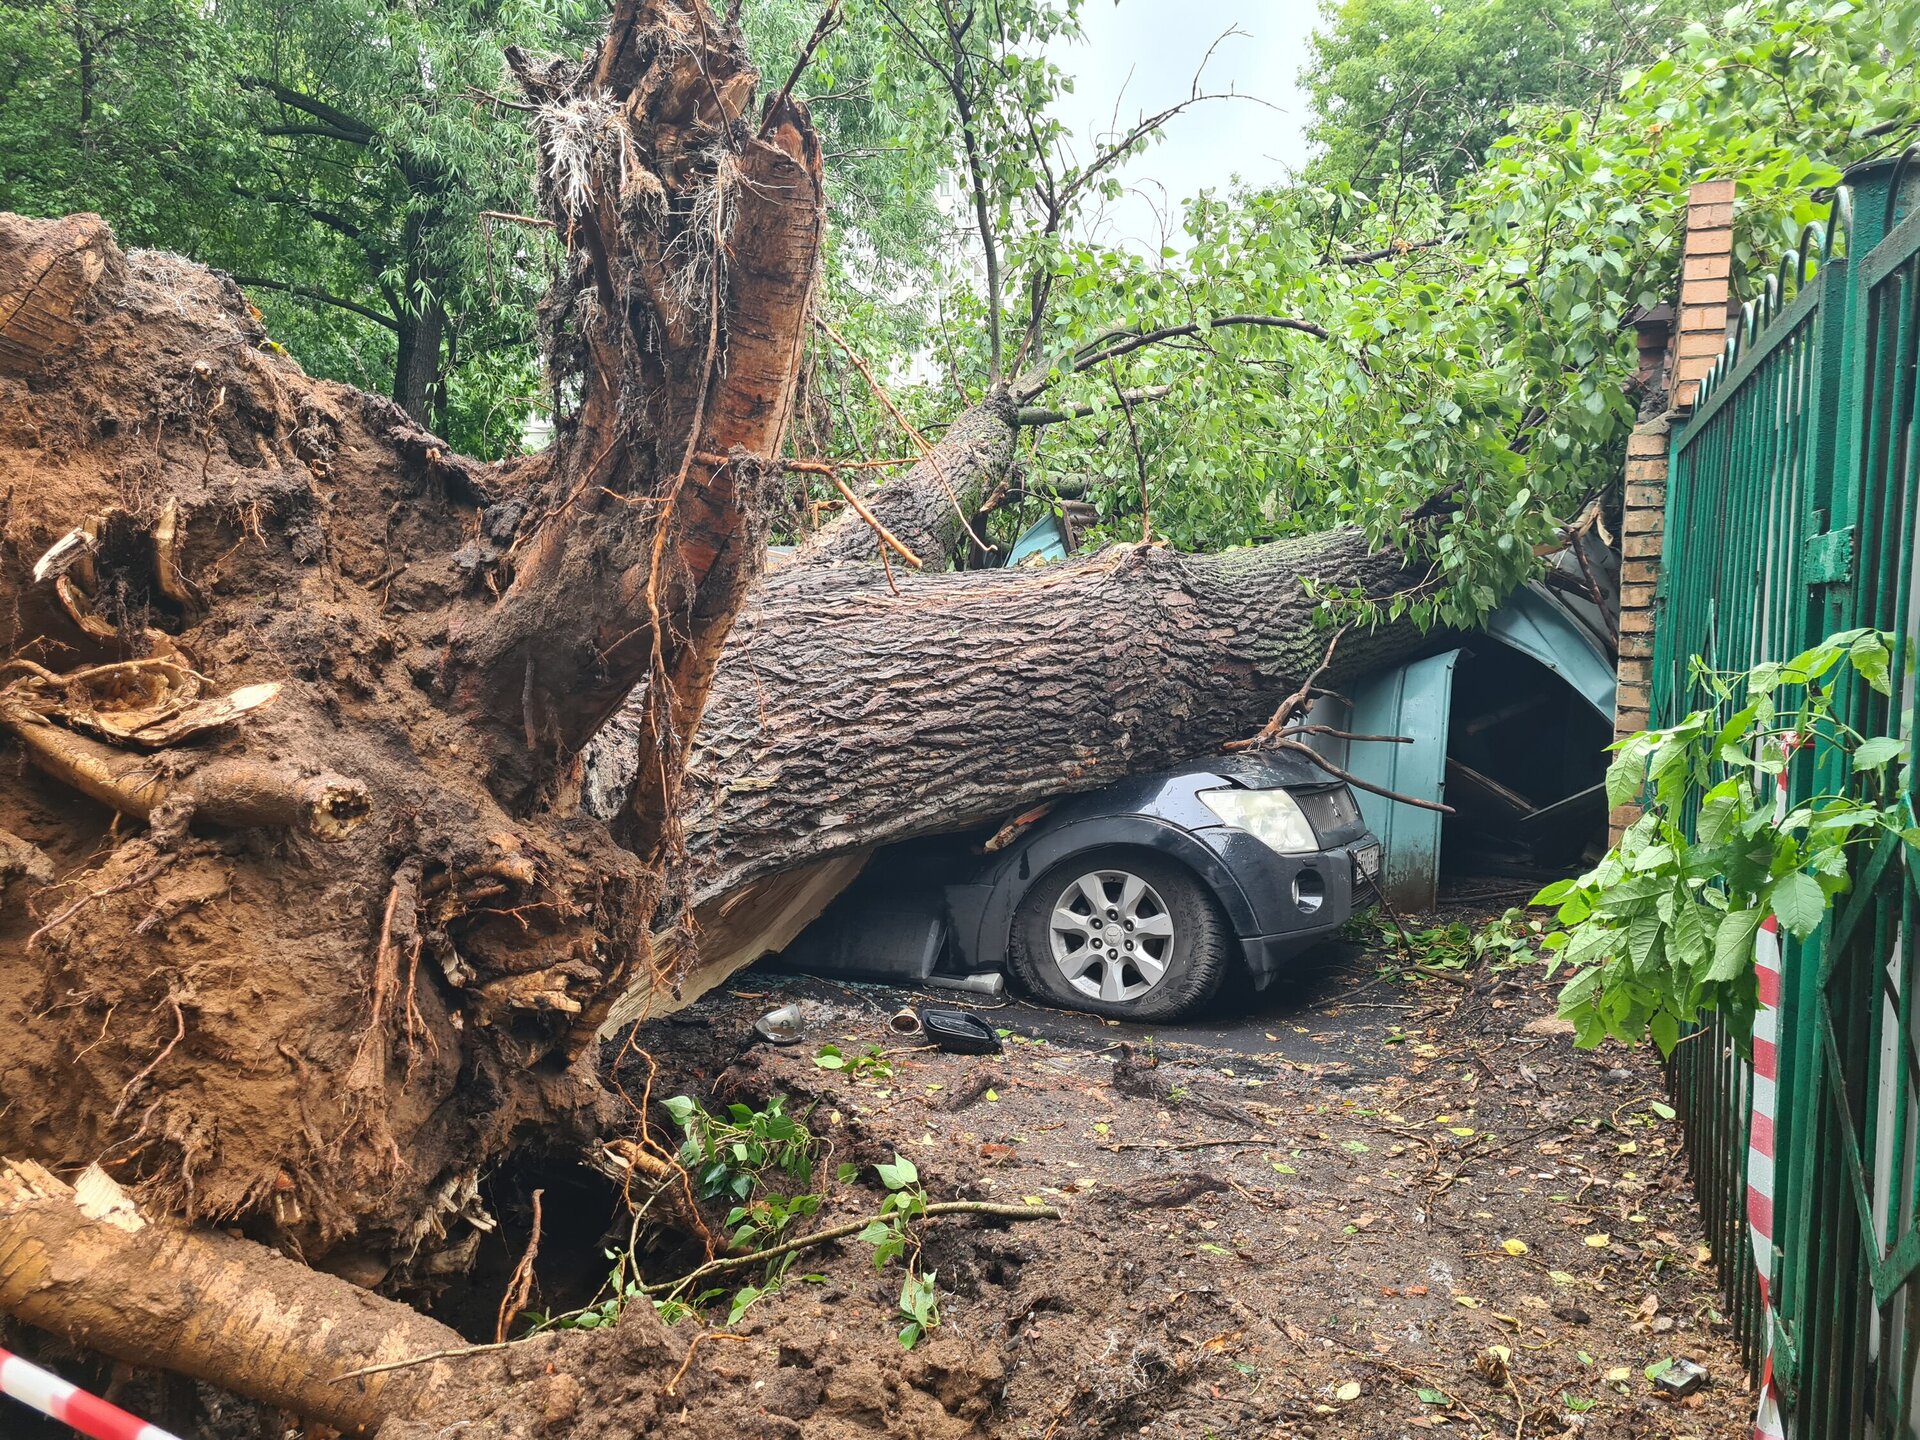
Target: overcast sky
1144	53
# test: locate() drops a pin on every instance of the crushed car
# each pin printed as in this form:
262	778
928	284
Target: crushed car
1134	902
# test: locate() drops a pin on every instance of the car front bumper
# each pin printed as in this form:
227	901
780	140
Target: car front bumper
1297	900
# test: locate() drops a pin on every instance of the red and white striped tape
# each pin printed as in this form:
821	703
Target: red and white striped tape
1770	1422
57	1399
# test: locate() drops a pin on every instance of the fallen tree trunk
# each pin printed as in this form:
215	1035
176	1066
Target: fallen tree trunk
852	710
856	706
847	716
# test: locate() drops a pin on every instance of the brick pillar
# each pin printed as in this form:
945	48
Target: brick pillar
1699	335
1706	267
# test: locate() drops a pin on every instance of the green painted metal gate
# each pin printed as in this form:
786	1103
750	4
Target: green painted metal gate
1791	512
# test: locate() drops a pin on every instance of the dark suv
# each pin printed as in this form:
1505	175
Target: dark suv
1133	901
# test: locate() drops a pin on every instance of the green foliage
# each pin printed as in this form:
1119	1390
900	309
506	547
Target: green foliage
754	1157
622	1288
735	1153
891	1238
1410	92
871	1063
119	106
919	1305
1665	925
1470	396
333	156
765	1218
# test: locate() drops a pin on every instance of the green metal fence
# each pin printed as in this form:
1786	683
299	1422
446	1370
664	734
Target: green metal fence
1791	510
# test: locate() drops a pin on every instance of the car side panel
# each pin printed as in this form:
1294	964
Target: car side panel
983	911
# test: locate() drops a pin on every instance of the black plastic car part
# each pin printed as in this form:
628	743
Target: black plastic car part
958	1031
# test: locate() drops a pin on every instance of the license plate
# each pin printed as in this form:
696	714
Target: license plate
1367	860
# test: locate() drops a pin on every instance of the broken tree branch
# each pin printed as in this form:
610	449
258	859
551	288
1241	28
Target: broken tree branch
1125	342
988	1208
1032	416
828	22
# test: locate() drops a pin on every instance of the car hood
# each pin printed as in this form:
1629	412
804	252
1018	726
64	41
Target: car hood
1171	794
1270	770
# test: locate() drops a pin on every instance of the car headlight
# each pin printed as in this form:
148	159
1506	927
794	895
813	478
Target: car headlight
1273	817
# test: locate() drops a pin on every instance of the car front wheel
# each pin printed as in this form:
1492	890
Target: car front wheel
1121	933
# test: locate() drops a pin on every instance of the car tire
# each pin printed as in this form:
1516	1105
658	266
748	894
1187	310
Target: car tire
1111	970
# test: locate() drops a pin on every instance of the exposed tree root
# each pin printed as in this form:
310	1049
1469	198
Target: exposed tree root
234	792
243	611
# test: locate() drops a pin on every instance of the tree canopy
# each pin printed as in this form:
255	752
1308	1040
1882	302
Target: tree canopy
1408	92
1426	333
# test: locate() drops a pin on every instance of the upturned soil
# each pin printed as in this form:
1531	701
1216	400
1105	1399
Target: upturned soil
1369	1204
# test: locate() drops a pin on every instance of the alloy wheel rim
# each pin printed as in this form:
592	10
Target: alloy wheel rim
1111	935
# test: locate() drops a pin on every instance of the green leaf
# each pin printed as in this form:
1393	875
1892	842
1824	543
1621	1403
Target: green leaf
899	1175
681	1108
1733	945
1627	772
1797	900
1643	937
1718	811
1873	658
1665	1031
1875	753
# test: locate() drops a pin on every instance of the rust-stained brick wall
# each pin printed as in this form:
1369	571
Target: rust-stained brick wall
1699	333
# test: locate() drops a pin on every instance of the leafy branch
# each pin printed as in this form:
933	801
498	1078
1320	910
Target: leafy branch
1665	926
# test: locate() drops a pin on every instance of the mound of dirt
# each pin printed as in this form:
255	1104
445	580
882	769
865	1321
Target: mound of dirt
197	1006
810	1370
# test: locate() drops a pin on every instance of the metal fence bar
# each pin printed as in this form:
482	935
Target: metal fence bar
1791	513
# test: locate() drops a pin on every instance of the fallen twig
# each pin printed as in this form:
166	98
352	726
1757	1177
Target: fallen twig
1407	1373
456	1354
886	535
989	1208
1183	1144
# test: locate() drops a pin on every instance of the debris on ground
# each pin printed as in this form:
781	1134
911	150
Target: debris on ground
1375	1206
